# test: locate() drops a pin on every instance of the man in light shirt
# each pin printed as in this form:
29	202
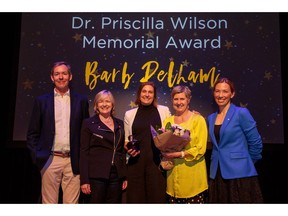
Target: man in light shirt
53	137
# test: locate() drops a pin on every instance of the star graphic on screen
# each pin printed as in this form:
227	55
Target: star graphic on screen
132	104
150	34
77	37
185	63
268	75
27	84
243	105
228	44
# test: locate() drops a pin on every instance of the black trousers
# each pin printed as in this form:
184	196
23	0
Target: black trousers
106	190
146	183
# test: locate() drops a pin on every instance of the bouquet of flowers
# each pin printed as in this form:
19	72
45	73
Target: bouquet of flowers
171	139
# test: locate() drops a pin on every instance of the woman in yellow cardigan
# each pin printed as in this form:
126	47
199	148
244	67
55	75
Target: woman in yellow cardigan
187	181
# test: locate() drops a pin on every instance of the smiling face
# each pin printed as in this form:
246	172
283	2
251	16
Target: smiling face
180	102
61	78
147	95
105	105
223	94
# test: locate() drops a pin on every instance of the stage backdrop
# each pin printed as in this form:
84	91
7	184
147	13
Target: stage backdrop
117	51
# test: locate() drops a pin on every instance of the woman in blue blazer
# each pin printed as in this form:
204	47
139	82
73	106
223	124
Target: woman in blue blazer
237	145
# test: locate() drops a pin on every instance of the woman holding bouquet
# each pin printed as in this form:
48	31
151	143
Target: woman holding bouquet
147	184
187	180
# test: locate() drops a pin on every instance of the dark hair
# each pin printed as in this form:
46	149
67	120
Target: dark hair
138	101
56	64
225	80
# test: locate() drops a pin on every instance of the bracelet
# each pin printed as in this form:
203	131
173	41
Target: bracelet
182	154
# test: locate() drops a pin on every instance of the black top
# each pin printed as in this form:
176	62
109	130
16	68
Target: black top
217	132
146	116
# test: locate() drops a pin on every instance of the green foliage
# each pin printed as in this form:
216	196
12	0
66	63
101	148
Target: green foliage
168	126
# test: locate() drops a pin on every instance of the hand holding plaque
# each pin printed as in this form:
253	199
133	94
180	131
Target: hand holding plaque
133	143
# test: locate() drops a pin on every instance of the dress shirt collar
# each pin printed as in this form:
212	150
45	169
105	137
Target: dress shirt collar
57	94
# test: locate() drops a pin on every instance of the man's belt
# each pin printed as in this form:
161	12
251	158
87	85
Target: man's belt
60	154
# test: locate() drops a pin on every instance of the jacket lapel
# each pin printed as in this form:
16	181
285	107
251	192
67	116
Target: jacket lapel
227	119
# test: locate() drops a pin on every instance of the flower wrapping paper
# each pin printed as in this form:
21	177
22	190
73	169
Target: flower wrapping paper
170	142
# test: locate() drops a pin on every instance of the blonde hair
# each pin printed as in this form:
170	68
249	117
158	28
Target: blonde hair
99	96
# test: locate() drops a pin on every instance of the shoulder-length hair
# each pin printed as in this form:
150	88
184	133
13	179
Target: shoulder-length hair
138	101
99	96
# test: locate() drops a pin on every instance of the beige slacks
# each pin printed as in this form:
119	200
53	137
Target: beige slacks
58	171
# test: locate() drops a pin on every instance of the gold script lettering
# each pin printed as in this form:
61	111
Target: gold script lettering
92	75
175	78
